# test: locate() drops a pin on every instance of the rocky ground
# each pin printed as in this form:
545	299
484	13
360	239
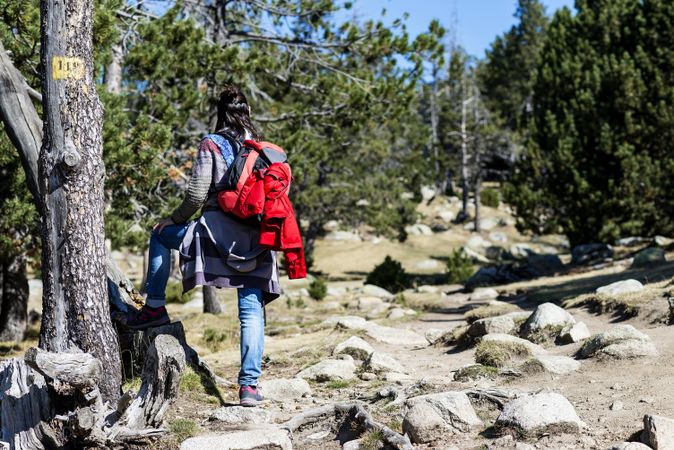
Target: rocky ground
556	362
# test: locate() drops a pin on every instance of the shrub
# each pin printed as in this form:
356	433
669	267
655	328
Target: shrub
318	289
174	293
389	275
459	267
490	197
183	428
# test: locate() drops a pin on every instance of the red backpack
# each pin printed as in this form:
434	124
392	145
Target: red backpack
243	195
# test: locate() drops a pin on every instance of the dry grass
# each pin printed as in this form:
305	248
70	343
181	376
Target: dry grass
499	354
493	310
475	372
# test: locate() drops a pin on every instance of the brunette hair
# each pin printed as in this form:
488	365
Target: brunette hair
234	114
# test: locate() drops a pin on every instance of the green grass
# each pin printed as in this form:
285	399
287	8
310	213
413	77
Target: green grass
499	354
338	384
200	388
373	440
183	428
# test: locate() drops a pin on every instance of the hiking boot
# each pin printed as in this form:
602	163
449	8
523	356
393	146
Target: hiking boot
250	396
148	317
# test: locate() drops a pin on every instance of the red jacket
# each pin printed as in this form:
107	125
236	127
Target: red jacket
279	230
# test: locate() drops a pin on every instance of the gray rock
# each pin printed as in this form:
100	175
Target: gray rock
427	193
395	336
483	294
558	365
348	322
330	369
535	349
649	257
662	241
521	251
331	306
545	263
478	243
396	314
258	438
631	446
631	241
658	432
498	236
238	415
419	229
352	445
591	253
375	291
423	424
284	389
540	413
427	289
506	324
369	303
342	236
433	334
549	317
368	376
381	362
621	287
452	408
619	342
617	406
354	346
578	332
427	264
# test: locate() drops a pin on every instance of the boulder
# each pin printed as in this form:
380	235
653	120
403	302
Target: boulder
619	342
284	389
474	255
478	243
446	216
591	253
658	432
534	349
621	287
354	346
239	415
546	264
502	274
376	291
427	289
330	369
396	314
348	322
427	193
662	241
631	241
446	412
369	303
258	438
649	257
352	445
498	236
419	229
631	446
342	236
427	264
395	336
537	414
547	318
483	294
433	334
578	332
521	250
423	424
557	365
506	324
381	362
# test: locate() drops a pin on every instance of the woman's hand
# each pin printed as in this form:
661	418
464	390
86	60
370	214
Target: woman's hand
159	226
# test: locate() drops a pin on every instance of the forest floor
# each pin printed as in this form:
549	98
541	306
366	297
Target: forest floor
298	337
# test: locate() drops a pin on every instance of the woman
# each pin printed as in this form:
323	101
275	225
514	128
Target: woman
216	249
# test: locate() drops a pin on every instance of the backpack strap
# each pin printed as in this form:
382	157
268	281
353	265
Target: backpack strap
228	146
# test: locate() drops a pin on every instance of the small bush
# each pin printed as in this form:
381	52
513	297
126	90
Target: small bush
213	339
318	289
490	197
183	428
174	293
499	354
389	275
459	267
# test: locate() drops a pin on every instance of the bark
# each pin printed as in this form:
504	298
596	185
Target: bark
211	303
14	313
76	312
435	138
113	71
463	215
478	206
25	408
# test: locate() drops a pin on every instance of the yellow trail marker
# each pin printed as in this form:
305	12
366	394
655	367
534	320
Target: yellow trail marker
67	67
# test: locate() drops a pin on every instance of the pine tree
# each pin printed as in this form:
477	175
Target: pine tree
598	165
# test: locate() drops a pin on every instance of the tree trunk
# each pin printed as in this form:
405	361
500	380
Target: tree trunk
76	312
478	208
14	312
211	303
463	215
113	71
435	139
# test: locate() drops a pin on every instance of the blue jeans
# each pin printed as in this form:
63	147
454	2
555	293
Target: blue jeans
251	306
